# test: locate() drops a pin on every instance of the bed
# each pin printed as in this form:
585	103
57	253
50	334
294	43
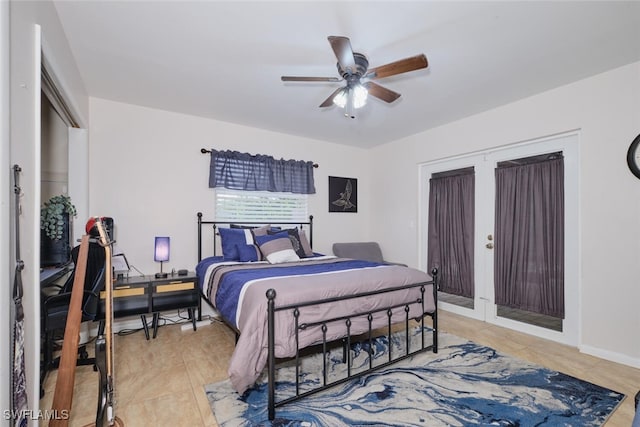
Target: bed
280	298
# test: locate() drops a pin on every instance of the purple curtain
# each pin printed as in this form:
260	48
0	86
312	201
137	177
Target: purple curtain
451	230
529	234
243	171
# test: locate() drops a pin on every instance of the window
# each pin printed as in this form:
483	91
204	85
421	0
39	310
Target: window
260	206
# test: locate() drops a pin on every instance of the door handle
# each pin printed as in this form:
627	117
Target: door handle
489	245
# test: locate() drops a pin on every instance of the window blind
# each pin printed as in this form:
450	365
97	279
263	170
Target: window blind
260	206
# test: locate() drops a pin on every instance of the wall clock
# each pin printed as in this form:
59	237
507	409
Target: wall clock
633	157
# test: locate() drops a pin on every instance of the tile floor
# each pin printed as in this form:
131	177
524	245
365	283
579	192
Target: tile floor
160	382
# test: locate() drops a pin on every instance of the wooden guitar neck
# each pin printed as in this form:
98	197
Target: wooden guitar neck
105	414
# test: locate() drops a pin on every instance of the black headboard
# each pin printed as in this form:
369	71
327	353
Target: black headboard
215	224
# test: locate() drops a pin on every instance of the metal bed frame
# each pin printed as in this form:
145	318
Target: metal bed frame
349	339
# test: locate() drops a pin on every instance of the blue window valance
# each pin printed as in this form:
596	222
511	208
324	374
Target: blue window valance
244	171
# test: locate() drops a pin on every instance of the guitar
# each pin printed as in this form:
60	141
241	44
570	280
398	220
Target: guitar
105	415
63	395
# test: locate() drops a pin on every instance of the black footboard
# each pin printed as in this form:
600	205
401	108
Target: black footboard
392	321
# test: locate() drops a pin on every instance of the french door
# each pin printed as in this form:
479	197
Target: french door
482	302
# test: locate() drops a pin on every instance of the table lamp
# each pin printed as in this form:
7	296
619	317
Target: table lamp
161	254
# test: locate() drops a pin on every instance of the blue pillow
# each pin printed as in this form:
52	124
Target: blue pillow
231	238
248	253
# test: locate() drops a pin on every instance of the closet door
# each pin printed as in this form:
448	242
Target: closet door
525	267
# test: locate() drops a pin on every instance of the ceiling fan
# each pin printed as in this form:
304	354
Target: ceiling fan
354	69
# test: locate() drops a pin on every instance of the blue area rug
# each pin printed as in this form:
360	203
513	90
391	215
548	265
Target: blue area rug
463	384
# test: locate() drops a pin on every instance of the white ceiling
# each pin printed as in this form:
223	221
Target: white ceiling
224	59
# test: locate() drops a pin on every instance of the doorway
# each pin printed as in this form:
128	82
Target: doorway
480	302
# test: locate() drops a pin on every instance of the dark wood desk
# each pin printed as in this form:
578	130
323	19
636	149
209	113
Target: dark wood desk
50	275
143	295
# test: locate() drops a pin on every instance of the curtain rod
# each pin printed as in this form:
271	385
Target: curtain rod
205	151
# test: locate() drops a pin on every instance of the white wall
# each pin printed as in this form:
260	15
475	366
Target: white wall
24	92
6	264
147	172
606	111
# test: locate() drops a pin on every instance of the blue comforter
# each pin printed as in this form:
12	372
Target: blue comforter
232	282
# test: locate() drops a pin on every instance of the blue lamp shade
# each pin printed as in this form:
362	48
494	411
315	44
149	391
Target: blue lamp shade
161	251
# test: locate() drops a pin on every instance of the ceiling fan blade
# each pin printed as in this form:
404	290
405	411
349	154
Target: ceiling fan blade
398	67
380	92
329	101
309	79
342	48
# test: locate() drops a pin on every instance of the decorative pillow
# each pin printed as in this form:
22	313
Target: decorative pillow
231	238
240	226
261	231
304	242
257	231
249	253
295	240
277	248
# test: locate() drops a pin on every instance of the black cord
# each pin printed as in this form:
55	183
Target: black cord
182	318
166	321
124	332
134	267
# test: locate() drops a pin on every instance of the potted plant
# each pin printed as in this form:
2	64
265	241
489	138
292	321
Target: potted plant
55	216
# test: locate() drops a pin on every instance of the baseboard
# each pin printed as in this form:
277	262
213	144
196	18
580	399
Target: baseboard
122	325
610	355
209	311
135	322
189	326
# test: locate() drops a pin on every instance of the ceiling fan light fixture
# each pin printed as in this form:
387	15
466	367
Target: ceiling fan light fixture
359	94
354	96
341	98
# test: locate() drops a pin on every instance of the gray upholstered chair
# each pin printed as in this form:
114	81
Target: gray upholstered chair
368	251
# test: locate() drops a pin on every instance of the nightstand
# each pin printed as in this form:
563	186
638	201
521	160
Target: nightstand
142	295
173	293
131	296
